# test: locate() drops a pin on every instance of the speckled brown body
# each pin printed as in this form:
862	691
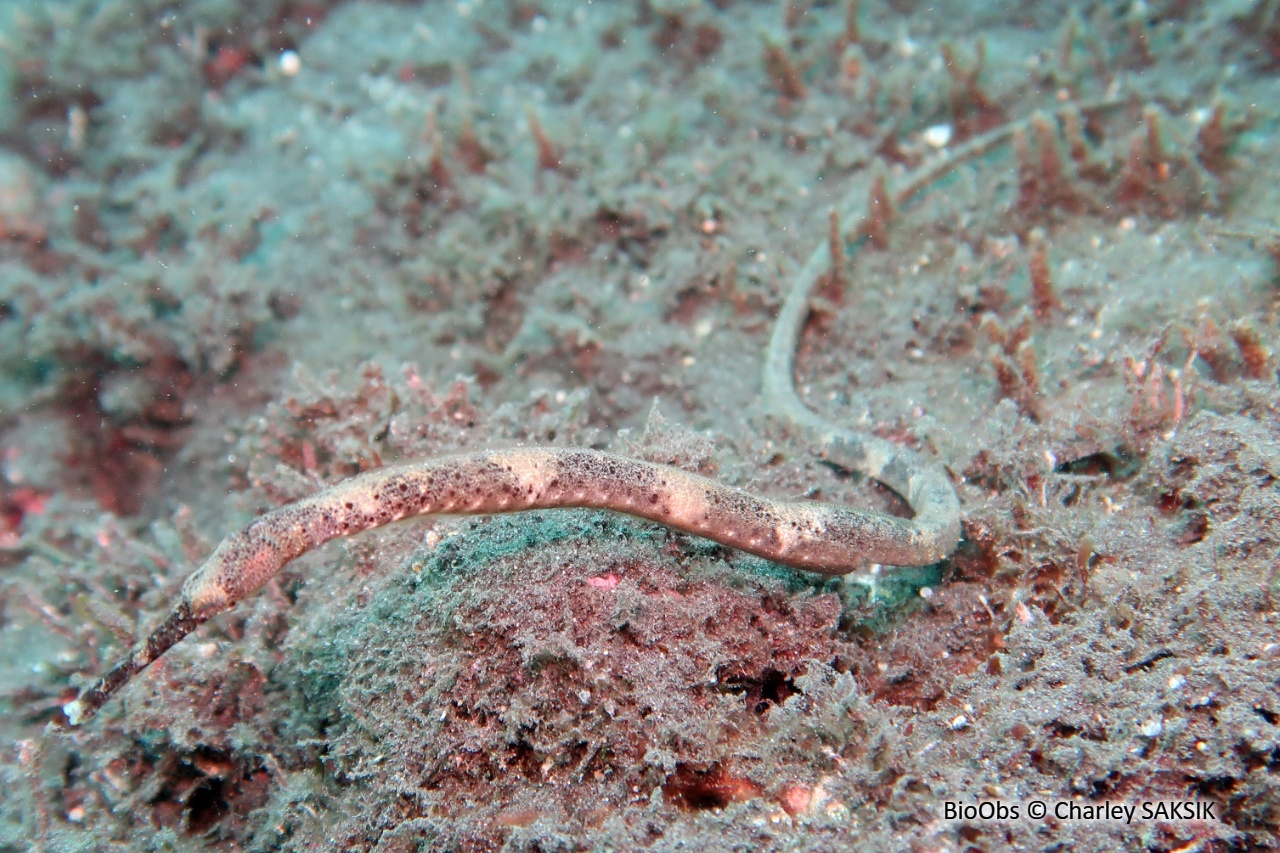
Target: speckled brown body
808	535
817	537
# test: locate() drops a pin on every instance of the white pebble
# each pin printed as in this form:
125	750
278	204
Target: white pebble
290	63
938	136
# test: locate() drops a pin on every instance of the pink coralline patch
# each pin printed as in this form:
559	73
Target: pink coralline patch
605	582
796	799
309	459
29	501
227	61
16	506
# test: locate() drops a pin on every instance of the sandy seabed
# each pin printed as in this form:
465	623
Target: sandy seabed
247	250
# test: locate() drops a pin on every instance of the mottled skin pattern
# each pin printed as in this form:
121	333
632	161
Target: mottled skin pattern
816	537
808	535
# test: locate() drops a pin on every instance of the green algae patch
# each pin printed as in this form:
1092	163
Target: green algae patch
877	602
500	538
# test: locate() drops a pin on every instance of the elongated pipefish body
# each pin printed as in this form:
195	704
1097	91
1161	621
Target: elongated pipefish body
817	537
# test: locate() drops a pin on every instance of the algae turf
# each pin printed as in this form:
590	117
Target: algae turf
559	670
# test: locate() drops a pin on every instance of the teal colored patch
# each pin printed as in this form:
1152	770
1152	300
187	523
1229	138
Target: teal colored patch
875	603
506	536
272	233
35	371
759	569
